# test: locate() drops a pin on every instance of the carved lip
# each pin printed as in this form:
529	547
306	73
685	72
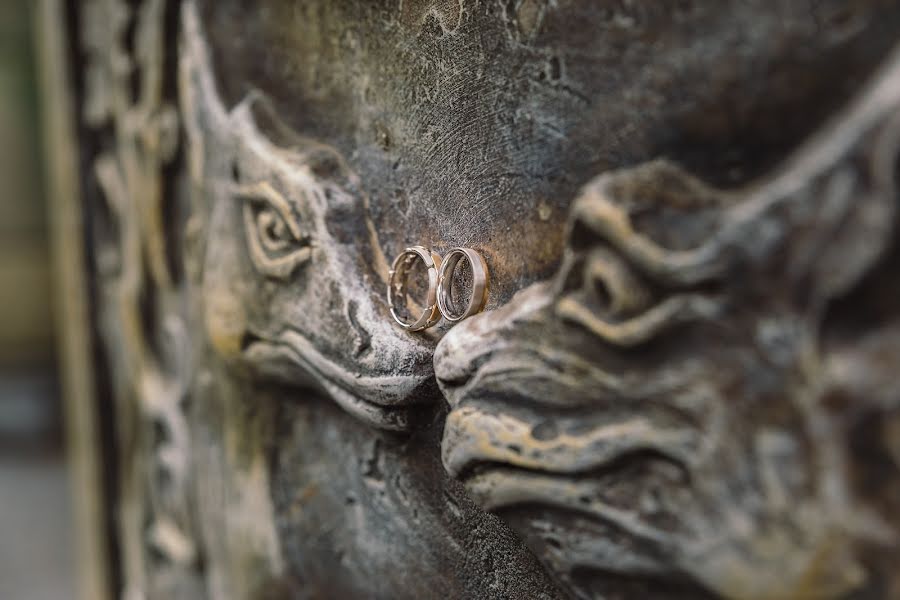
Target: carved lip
503	460
384	401
539	427
495	487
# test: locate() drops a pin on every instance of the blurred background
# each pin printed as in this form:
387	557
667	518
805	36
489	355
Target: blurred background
36	541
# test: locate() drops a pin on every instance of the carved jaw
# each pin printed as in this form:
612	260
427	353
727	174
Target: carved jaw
292	271
657	407
587	457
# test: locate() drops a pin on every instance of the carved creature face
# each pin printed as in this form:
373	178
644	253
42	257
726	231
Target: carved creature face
291	274
657	408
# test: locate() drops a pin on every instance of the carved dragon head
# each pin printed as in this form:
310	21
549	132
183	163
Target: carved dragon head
661	407
290	271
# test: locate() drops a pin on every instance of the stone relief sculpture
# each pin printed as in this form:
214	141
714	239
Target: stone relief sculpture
300	212
290	296
682	385
666	404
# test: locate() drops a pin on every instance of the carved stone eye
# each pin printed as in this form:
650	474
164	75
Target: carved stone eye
276	243
273	231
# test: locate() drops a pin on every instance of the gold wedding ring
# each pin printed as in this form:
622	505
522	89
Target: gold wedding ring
398	287
479	283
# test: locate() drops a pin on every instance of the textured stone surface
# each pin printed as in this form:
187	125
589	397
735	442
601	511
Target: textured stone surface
682	383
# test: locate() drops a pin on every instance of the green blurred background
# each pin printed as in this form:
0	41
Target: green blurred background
26	324
36	552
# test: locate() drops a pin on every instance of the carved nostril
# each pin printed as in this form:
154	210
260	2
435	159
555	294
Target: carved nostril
449	371
247	340
454	364
455	367
363	337
612	285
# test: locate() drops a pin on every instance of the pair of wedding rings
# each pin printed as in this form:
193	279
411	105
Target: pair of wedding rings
439	300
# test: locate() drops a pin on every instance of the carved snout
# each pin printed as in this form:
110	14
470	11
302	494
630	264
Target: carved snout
291	268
